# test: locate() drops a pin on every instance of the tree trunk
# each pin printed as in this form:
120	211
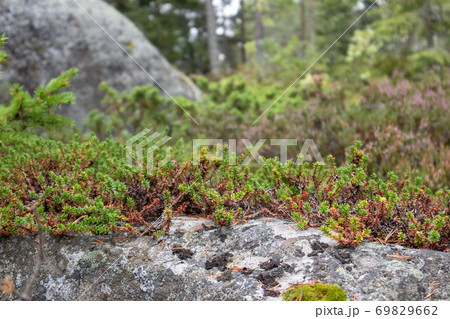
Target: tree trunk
303	29
312	33
258	32
213	44
429	24
243	33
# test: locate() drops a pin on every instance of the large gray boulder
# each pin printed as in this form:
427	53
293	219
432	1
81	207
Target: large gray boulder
199	260
47	37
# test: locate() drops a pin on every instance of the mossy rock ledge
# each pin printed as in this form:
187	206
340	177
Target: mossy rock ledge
198	260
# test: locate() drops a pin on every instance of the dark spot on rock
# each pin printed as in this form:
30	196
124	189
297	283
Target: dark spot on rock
343	256
288	268
273	262
268	277
220	261
76	274
273	269
317	248
222	237
183	253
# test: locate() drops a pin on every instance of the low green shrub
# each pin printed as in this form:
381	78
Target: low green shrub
403	124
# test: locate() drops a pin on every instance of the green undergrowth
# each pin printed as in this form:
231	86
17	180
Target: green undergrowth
85	185
317	292
402	123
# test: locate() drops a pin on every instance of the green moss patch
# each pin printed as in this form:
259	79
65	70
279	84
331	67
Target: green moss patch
318	292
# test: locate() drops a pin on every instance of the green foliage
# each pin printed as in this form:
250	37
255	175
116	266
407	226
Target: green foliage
402	123
317	292
158	233
3	55
87	186
27	112
143	107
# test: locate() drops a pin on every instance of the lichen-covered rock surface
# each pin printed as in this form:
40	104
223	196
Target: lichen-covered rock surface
47	37
199	260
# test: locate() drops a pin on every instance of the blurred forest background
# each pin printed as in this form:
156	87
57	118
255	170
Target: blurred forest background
278	39
385	82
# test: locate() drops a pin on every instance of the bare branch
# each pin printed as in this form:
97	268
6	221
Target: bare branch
26	295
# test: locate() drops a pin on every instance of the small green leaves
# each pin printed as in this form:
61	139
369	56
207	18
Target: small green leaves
402	236
433	236
158	233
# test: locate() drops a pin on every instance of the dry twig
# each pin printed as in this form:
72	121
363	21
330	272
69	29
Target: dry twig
98	242
161	243
78	219
217	275
397	255
434	283
26	295
206	254
431	293
245	271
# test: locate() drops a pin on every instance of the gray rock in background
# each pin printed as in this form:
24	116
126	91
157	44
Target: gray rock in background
193	262
47	37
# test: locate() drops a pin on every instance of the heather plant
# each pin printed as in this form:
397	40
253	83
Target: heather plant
402	123
415	137
350	205
86	184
